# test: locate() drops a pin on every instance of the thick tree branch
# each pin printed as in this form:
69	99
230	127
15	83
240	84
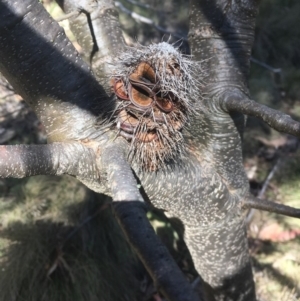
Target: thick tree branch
45	69
261	204
238	102
98	31
131	214
20	161
222	33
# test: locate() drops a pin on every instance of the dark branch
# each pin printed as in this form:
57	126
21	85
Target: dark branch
253	202
130	211
20	161
237	102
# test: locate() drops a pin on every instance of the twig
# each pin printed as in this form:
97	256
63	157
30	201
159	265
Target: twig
269	178
264	187
142	19
261	204
147	6
266	66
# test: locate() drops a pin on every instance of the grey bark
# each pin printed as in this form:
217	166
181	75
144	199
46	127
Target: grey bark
98	31
21	161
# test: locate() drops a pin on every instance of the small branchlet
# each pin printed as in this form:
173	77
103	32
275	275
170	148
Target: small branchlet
155	88
265	205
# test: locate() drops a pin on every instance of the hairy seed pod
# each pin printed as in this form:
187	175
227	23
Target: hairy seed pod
155	89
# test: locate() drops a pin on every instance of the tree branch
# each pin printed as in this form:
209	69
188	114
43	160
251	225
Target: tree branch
45	69
254	202
221	34
238	102
98	32
130	211
20	161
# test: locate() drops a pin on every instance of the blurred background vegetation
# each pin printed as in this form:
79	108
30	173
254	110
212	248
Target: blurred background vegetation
59	241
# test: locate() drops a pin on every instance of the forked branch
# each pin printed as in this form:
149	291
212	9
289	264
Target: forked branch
98	32
130	211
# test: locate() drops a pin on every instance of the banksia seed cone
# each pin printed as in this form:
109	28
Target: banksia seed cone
154	89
